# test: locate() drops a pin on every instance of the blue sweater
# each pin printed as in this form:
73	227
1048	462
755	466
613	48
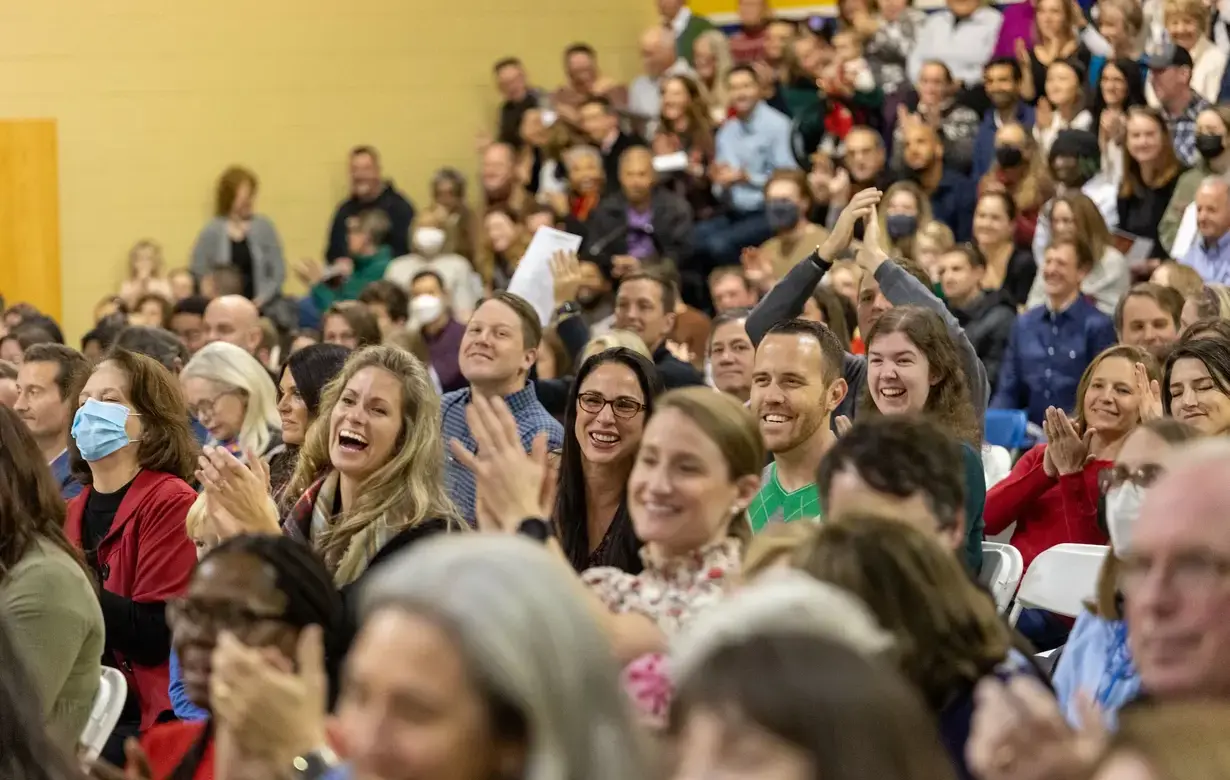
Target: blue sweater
184	709
1096	660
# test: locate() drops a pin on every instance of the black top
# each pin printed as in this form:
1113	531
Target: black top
1141	213
1018	277
138	631
241	258
675	373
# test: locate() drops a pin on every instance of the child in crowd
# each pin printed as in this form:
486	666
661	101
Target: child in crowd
145	273
369	260
183	284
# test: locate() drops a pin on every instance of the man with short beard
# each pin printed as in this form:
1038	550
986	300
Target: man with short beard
1002	79
796	384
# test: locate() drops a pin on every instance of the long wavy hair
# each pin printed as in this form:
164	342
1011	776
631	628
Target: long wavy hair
167	444
698	135
31	508
234	368
570	507
406	490
948	402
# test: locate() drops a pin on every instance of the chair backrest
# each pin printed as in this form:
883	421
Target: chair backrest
1006	428
996	464
108	704
1002	567
1061	579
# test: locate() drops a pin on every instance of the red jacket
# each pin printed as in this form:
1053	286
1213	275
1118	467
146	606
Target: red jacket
149	558
166	744
1047	511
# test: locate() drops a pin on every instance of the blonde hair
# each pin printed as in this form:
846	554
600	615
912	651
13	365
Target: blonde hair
1181	277
615	338
196	518
716	97
155	248
936	236
1195	10
776	543
229	365
406	490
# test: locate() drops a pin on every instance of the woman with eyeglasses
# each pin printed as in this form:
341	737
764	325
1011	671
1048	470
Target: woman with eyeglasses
612	397
133	451
260	592
1096	658
231	395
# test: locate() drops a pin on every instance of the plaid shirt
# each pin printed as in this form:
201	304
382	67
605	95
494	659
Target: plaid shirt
531	417
1183	130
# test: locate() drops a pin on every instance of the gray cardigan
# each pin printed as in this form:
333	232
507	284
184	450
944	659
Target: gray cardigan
213	250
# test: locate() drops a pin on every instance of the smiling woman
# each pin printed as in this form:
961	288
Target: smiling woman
230	393
1196	387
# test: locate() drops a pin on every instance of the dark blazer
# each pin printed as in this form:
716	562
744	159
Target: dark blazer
606	230
988	324
675	373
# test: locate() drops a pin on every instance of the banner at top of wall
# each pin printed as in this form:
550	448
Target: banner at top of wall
726	11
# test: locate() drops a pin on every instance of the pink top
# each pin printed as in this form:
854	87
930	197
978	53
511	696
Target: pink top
1018	25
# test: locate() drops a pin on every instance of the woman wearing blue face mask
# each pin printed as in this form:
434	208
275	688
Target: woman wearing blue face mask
906	209
1095	661
133	451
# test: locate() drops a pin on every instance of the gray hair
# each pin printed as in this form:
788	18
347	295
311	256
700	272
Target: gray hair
233	367
779	602
573	153
528	638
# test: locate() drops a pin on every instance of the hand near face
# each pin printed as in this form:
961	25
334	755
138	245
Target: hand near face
1150	394
843	232
1069	451
566	271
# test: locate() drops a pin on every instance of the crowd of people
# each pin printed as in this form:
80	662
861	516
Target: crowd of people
723	513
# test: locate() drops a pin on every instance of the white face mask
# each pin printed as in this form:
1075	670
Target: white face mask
429	240
426	308
1122	511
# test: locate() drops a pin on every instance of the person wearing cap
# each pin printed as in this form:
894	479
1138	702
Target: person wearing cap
1170	90
1076	165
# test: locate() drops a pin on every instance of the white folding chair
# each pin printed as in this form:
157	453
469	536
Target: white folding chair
1002	567
108	704
996	464
1060	580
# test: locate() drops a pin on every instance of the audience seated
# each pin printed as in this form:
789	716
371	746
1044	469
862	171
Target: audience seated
646	305
1209	253
659	60
788	204
49	381
1002	78
986	315
1196	385
951	194
369	190
518	97
1149	317
1074	217
600	123
429	252
146	273
239	237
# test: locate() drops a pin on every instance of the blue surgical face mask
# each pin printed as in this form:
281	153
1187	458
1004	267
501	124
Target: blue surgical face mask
98	429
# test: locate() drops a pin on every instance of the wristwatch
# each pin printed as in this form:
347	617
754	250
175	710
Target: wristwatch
314	765
536	528
567	310
822	263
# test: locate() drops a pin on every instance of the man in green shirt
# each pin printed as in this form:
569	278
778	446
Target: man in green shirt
796	384
912	469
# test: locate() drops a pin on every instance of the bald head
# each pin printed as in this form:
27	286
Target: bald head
657	50
636	175
1176	577
235	320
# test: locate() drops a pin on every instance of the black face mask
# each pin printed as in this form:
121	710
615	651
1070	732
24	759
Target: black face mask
1210	146
1008	156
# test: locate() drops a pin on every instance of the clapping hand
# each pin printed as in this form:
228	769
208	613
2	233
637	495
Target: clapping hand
511	483
871	254
1150	394
1067	451
241	490
862	204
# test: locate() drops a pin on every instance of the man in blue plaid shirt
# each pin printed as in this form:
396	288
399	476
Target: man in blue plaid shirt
1170	75
497	352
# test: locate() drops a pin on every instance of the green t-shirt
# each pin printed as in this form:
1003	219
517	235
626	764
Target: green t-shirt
774	505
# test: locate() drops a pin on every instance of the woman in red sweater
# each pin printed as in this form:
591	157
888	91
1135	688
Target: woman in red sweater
1052	492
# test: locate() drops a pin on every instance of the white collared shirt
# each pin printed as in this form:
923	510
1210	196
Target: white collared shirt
680	22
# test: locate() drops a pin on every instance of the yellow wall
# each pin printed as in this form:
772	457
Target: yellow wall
153	99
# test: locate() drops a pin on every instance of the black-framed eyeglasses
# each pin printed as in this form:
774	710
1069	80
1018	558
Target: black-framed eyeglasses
1113	477
228	616
623	406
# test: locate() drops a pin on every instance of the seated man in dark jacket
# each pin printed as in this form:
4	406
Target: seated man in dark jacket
639	222
986	315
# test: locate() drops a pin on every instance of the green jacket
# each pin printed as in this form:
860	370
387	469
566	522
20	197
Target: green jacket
696	25
366	270
1184	194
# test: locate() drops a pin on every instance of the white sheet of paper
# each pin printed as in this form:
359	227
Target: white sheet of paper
671	163
533	279
1187	234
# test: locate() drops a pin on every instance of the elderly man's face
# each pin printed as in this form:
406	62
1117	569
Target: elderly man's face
1176	583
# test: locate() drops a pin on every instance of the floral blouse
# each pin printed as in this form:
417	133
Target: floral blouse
670	594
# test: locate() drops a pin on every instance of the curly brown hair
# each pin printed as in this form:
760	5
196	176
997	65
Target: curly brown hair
228	187
948	634
167	443
948	402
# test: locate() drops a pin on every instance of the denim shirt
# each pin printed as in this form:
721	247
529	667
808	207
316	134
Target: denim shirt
1046	355
757	146
61	470
1096	661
